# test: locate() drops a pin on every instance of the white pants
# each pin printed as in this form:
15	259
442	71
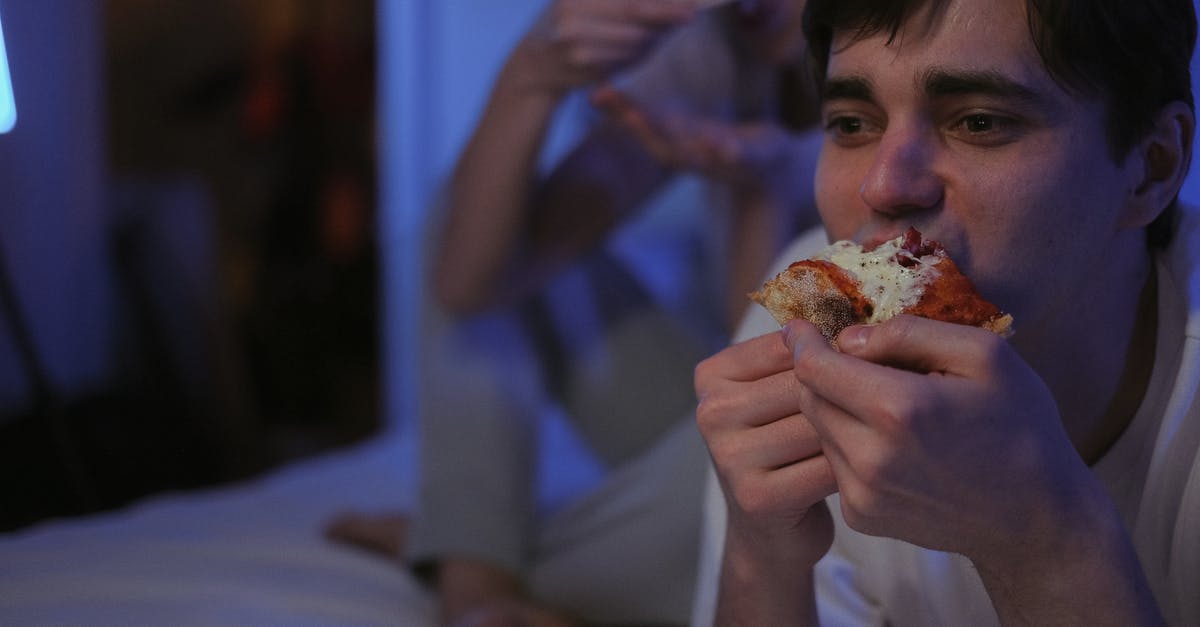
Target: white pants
627	552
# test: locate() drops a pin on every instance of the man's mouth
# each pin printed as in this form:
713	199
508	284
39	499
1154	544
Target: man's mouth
873	240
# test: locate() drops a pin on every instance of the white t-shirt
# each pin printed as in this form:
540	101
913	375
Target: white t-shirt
1152	474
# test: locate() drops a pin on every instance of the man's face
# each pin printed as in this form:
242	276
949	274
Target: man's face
956	128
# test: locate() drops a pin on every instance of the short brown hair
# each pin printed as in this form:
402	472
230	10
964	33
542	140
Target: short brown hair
1134	55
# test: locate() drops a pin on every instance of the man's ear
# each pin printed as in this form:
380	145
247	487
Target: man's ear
1164	154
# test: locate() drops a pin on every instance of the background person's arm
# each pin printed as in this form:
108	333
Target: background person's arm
503	225
767	170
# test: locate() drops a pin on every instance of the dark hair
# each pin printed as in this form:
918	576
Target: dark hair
1134	55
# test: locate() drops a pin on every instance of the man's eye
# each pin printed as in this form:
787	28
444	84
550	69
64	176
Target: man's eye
846	125
979	123
851	129
987	129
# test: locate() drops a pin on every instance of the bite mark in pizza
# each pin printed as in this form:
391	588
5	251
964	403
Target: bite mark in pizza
847	284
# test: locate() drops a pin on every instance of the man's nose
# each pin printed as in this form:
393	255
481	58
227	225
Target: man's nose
901	179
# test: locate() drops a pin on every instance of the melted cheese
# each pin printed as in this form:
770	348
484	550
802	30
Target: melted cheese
890	286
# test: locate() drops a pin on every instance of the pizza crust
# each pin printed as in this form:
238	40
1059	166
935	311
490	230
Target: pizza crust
808	292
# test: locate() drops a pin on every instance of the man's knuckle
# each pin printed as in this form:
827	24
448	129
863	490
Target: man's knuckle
861	506
727	453
875	476
856	500
704	376
708	414
899	412
807	363
993	348
716	411
751	497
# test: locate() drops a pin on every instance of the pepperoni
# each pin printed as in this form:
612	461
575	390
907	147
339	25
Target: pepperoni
952	298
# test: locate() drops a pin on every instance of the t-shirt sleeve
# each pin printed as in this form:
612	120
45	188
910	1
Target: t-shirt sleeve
840	597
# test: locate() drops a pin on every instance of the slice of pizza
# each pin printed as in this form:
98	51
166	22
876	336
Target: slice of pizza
846	284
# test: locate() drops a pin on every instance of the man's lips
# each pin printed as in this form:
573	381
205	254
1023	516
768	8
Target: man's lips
871	242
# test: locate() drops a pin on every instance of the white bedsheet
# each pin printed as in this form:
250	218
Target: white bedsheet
247	554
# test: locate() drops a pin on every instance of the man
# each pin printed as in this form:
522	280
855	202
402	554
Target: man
1052	479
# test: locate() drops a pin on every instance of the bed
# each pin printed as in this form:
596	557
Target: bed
247	554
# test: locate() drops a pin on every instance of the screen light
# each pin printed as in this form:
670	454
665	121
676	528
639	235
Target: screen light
8	106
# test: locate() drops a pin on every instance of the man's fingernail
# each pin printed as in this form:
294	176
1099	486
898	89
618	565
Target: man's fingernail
854	338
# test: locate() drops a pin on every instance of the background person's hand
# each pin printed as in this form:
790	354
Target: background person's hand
757	161
513	613
743	154
577	43
383	533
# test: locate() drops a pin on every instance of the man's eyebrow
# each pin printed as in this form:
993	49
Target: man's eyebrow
941	83
848	88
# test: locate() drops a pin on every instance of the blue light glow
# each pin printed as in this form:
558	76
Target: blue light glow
8	107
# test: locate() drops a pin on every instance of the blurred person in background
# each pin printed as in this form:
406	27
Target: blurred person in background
537	298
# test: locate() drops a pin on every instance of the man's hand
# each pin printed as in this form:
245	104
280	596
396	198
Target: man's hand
938	434
942	436
767	455
576	43
774	476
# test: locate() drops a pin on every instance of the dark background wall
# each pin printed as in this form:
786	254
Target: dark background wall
187	224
